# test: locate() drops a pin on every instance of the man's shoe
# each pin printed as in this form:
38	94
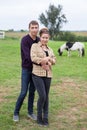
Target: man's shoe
16	118
32	116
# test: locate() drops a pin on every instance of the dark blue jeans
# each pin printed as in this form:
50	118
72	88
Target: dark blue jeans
42	85
26	84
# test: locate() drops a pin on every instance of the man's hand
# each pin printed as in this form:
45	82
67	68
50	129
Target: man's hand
45	60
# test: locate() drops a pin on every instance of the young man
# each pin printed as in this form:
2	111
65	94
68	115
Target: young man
26	77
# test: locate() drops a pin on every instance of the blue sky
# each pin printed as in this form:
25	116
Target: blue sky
18	13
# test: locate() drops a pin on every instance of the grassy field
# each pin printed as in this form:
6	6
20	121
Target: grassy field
68	93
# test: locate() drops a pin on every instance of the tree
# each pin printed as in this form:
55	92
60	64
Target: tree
53	19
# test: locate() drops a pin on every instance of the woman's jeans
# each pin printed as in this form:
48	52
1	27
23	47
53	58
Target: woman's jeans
26	84
42	85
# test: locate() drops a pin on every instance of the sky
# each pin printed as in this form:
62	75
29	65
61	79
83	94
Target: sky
16	14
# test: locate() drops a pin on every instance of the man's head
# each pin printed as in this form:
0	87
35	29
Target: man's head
33	28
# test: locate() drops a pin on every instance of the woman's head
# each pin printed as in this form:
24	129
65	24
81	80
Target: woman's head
44	36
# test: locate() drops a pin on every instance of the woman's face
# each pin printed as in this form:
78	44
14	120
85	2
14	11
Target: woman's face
44	38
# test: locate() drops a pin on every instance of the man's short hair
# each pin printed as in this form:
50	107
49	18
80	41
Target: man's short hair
33	22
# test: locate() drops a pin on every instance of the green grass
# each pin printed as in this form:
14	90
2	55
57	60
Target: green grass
68	93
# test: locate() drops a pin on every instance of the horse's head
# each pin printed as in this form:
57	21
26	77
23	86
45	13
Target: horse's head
61	49
60	52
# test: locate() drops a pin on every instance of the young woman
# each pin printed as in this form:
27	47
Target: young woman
43	58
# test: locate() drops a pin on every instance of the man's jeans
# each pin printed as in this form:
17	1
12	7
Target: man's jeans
42	85
26	84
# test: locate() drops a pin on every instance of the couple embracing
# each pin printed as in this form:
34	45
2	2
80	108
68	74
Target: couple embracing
37	60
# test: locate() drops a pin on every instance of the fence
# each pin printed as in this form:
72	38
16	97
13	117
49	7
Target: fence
2	34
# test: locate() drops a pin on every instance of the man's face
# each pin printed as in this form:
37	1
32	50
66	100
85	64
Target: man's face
33	29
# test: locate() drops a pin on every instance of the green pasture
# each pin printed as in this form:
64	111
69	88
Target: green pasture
68	93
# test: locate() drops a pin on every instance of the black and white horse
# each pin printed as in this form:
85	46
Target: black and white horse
69	46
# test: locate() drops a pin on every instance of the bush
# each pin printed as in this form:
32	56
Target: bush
68	36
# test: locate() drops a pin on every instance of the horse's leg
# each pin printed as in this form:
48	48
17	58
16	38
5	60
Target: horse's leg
80	53
68	53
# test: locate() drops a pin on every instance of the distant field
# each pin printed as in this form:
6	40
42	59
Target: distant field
15	34
21	34
78	33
